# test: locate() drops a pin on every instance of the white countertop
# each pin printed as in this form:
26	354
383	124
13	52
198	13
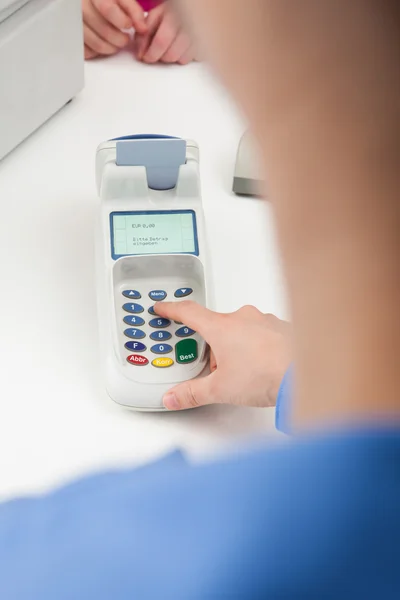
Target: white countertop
56	421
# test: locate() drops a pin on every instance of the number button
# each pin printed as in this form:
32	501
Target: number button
186	351
136	359
135	346
132	294
131	320
159	323
162	363
182	292
161	348
159	336
157	295
152	311
132	332
133	308
184	332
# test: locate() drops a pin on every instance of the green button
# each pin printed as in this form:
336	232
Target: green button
186	351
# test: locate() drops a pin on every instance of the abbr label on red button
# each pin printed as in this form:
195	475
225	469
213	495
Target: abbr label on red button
136	359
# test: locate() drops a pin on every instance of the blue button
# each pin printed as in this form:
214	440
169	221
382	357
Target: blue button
159	323
161	348
133	294
132	332
182	292
133	308
159	336
184	332
152	311
132	320
135	346
157	295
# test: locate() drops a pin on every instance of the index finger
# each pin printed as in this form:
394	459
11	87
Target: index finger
162	40
193	315
142	42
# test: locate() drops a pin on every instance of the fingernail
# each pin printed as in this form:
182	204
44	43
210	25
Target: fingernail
170	402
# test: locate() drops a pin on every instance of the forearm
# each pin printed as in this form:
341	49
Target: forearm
319	83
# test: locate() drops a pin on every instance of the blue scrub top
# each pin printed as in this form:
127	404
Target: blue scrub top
315	518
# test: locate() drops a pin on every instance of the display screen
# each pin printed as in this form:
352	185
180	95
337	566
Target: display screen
153	232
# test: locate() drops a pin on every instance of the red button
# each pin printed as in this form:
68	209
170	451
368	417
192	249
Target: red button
136	359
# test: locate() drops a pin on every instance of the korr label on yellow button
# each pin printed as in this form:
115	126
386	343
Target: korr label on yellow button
162	362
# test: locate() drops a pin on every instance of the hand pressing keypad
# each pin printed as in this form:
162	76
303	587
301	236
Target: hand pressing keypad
157	330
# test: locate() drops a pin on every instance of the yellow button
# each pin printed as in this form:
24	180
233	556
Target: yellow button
162	362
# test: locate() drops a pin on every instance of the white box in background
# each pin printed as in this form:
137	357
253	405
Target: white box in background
41	64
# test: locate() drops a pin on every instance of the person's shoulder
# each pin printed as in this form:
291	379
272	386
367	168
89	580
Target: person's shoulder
313	518
303	518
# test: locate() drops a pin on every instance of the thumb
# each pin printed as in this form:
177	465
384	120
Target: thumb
193	393
136	14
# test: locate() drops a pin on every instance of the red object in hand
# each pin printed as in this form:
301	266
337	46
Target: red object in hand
148	5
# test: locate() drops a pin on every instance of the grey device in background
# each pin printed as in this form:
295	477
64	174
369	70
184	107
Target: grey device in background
247	179
41	64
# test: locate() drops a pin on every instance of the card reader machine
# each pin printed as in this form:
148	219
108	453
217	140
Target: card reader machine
150	246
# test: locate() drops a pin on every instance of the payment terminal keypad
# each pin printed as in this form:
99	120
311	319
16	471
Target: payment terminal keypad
153	341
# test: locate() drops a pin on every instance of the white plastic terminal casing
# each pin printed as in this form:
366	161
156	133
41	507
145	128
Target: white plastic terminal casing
124	188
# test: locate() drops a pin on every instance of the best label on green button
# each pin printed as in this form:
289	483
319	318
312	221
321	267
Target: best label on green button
186	351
